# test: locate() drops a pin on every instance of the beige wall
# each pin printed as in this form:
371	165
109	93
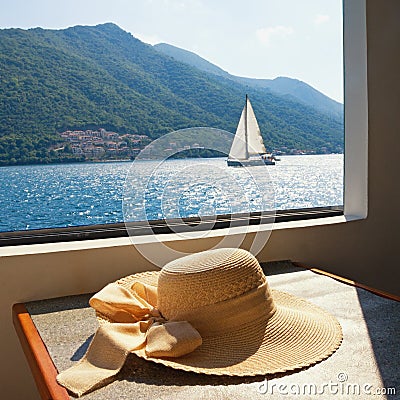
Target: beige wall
363	250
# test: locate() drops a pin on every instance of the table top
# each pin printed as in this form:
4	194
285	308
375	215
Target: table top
367	357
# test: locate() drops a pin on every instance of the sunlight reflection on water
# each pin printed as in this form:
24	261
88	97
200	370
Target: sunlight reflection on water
33	197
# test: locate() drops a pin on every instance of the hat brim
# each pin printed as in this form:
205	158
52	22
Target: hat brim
298	335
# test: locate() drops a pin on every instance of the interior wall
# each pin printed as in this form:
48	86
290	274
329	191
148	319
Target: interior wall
363	250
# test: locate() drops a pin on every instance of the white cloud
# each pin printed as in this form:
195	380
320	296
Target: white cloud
265	35
321	19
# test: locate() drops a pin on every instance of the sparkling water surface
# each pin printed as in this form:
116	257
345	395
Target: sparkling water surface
50	196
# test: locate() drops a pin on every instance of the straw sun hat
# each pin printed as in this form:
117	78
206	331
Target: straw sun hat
211	313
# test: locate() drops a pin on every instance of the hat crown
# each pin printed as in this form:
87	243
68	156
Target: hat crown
205	278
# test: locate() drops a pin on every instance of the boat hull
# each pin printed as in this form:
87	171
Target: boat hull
249	163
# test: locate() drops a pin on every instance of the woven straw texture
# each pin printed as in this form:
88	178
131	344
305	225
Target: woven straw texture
297	335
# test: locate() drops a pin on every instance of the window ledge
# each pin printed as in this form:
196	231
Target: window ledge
43	248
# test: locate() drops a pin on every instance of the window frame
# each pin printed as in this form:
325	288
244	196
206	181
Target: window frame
355	162
157	227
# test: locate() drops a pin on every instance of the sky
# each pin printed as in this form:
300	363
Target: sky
253	38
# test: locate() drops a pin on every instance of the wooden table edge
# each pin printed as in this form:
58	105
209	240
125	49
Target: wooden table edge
43	369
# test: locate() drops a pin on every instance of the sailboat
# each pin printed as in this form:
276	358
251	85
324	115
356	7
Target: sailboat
248	146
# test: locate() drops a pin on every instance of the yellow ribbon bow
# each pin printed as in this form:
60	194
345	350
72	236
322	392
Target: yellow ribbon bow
135	324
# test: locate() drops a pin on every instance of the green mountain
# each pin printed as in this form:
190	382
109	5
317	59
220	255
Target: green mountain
90	77
294	88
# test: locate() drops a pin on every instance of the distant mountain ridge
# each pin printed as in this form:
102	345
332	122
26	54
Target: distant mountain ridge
282	85
90	77
191	58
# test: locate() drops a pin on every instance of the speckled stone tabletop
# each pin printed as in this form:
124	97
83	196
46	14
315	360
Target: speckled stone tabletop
367	363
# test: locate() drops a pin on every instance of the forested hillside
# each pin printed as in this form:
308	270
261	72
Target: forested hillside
296	89
102	77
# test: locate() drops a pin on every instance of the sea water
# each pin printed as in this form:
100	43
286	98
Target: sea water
50	196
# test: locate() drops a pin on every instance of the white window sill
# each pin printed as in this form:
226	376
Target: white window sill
9	251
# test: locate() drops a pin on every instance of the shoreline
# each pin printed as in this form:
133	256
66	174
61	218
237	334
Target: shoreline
129	160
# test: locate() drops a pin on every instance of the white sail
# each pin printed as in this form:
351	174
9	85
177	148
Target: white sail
239	146
255	143
248	140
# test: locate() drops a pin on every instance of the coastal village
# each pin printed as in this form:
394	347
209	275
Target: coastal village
104	145
101	144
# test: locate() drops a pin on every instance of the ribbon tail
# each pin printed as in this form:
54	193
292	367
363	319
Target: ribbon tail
105	356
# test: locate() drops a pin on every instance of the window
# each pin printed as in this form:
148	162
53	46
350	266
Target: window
35	197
